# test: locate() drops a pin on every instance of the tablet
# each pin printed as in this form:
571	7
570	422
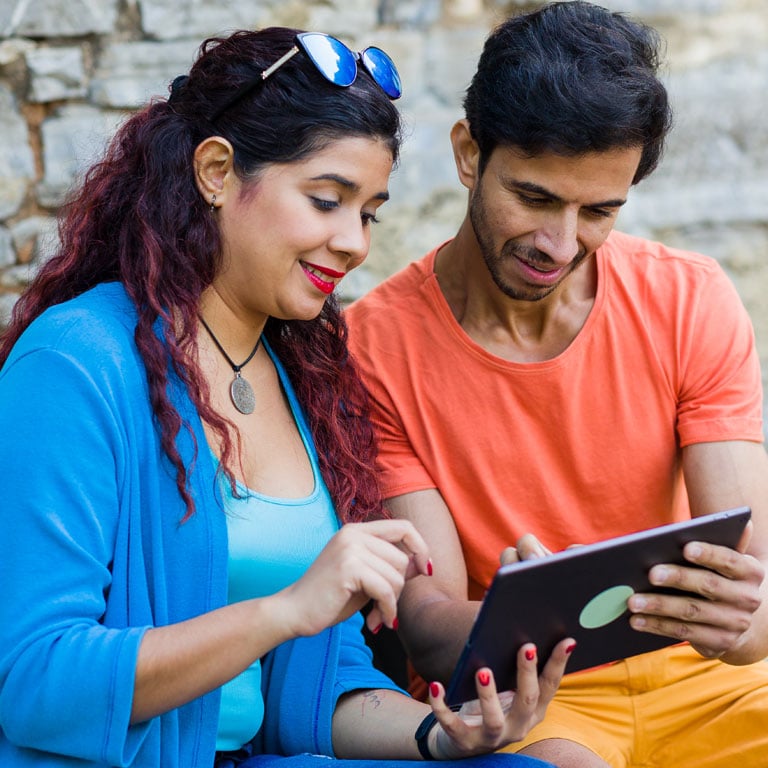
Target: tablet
582	593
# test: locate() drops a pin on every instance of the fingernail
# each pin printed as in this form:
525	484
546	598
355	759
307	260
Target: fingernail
434	690
484	678
530	654
377	629
659	575
570	648
429	567
395	624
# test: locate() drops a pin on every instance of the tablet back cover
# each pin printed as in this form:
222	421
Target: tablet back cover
580	593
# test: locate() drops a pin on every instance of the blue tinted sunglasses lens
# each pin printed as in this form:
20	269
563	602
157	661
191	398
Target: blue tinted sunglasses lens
331	57
337	63
382	69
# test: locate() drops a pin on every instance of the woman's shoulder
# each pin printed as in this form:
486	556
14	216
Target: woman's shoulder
95	327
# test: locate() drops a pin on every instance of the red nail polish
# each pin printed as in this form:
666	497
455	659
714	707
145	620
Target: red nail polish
434	690
569	649
484	678
377	629
395	623
429	567
530	654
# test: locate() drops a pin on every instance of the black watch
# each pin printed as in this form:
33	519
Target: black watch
422	735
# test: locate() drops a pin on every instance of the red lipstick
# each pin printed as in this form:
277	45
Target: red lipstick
323	278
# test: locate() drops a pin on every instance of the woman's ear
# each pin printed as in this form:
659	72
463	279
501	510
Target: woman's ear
213	163
466	153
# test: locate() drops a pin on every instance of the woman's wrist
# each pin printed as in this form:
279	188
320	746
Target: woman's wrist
433	742
424	734
272	615
441	747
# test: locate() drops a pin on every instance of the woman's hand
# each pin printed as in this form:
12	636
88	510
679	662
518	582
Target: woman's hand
362	562
493	720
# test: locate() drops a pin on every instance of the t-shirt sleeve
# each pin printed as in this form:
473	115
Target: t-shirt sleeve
66	680
720	393
385	373
400	469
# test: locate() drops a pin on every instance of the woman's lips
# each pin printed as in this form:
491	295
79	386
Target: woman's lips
319	276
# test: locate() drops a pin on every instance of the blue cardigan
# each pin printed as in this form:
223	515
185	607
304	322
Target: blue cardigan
92	553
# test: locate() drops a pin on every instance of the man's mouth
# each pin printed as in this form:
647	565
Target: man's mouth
540	273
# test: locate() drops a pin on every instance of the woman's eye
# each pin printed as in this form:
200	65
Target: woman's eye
324	205
369	218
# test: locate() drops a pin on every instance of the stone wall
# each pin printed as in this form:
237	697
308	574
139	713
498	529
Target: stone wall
70	70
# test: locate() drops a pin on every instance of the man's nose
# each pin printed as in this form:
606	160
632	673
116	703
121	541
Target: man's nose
559	237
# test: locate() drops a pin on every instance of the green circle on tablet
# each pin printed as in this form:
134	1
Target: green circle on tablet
605	607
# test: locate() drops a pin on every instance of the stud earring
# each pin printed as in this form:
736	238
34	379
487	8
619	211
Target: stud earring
213	203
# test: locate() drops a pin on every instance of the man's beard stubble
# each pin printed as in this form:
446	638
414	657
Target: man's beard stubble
512	250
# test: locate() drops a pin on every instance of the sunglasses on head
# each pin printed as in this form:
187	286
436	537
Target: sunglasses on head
336	62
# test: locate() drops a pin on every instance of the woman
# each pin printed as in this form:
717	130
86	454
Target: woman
189	436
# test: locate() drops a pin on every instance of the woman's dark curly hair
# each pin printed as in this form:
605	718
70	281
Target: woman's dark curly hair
139	219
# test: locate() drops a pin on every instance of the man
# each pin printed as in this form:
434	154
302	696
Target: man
541	380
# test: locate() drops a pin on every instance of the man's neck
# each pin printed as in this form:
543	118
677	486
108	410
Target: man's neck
512	329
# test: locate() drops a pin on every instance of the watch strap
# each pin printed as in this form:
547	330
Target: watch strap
422	735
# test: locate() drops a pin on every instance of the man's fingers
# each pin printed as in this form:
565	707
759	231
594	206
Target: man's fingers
509	556
529	547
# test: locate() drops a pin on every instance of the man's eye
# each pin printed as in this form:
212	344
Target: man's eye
528	200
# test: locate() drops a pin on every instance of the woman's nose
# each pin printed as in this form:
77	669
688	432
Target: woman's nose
352	239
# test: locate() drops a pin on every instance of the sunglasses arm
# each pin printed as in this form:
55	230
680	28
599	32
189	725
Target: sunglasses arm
279	63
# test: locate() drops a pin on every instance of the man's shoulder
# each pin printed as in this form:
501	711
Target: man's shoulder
649	261
397	293
644	250
666	283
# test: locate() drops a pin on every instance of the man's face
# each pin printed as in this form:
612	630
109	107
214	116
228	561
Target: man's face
537	218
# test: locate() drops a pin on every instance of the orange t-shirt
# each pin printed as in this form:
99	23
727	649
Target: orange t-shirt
575	449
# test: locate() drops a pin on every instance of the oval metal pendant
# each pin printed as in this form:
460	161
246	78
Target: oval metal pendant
242	395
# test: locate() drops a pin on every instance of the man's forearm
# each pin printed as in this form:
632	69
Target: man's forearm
434	633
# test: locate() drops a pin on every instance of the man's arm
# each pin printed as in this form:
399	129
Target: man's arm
434	613
730	620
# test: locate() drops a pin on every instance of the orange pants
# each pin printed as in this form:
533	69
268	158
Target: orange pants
666	709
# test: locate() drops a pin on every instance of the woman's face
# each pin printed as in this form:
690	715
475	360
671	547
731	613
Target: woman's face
291	235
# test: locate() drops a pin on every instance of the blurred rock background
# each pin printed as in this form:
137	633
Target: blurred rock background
70	70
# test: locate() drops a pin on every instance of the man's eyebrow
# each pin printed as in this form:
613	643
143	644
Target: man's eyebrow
348	184
527	186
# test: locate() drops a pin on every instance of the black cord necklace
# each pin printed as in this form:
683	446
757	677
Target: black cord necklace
240	390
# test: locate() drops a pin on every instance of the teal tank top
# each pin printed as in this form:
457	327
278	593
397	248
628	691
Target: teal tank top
272	542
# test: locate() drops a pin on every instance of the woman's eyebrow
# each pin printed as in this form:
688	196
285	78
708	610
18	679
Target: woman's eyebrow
347	184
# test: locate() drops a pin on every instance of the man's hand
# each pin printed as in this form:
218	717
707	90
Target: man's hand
528	547
718	612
